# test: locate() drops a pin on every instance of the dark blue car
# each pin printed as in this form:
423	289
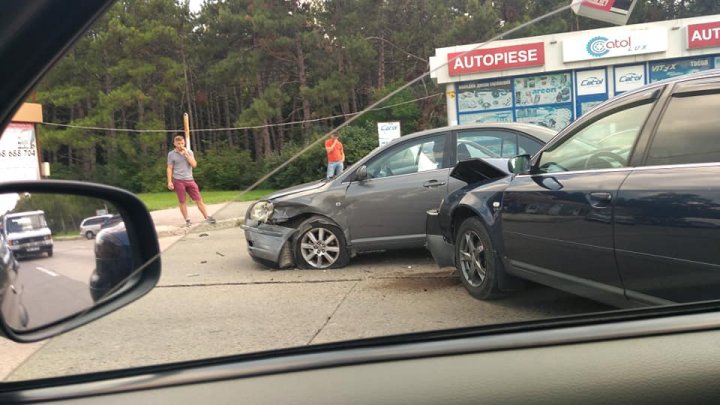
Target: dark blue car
622	207
113	260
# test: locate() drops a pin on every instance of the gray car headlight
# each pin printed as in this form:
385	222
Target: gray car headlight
261	211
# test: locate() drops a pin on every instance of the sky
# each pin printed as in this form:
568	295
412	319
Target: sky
195	5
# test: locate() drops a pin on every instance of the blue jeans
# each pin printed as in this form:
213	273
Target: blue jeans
334	169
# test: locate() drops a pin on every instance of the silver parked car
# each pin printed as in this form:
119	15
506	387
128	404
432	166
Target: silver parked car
379	203
89	227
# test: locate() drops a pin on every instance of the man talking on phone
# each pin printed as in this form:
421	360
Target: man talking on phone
180	162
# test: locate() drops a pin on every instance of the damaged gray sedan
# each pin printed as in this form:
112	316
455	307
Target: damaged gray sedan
379	203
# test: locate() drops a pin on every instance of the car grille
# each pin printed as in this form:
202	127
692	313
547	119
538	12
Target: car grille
31	240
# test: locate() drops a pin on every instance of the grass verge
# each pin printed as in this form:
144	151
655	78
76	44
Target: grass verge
163	200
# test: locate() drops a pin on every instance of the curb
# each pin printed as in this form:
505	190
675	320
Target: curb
169	230
68	237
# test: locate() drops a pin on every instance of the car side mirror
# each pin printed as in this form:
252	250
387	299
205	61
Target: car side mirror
361	173
52	278
519	164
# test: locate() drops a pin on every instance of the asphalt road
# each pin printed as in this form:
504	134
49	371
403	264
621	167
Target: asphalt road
213	300
55	287
74	259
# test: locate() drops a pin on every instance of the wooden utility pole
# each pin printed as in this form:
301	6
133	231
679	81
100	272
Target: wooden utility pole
186	124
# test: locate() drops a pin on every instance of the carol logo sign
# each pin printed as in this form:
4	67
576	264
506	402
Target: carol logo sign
630	78
387	131
613	45
703	35
601	46
592	81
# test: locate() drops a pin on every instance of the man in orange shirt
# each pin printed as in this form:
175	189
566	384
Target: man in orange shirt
335	155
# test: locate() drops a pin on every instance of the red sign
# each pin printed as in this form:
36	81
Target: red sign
599	4
507	57
703	35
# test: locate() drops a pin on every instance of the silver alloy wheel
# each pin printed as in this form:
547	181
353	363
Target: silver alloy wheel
320	248
472	258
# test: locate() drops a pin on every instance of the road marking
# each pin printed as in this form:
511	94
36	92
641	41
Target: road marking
48	272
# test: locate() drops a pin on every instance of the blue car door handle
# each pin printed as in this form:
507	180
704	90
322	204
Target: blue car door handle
600	199
433	183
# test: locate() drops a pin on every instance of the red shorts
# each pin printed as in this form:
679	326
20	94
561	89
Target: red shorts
189	186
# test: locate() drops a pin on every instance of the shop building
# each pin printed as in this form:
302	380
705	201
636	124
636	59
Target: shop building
551	80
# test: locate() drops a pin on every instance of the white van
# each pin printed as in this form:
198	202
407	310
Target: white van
27	233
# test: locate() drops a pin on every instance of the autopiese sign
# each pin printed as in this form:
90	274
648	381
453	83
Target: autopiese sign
613	45
507	57
703	35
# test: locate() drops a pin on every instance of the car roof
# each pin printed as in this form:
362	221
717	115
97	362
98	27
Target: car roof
24	213
97	216
541	133
709	74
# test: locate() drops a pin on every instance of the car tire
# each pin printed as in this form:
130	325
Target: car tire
89	234
50	252
476	260
319	245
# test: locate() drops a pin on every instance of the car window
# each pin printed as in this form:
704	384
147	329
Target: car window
94	221
469	149
605	143
688	132
486	143
414	156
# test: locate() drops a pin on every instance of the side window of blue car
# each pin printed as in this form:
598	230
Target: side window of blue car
689	131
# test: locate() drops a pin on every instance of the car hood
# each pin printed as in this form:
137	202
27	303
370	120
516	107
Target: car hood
476	170
28	234
302	188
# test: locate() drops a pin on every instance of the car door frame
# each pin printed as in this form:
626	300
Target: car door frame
392	242
598	291
642	154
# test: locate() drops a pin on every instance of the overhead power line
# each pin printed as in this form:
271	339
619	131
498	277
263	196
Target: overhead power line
234	128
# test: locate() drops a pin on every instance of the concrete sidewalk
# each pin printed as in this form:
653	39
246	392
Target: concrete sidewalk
170	222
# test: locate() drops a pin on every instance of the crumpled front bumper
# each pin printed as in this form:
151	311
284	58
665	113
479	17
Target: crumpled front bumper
267	243
442	252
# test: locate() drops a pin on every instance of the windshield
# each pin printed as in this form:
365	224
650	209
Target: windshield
205	109
25	223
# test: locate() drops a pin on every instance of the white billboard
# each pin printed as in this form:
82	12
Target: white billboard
591	82
18	153
387	131
613	44
629	78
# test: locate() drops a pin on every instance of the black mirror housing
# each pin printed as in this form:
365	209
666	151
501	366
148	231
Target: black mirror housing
144	248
